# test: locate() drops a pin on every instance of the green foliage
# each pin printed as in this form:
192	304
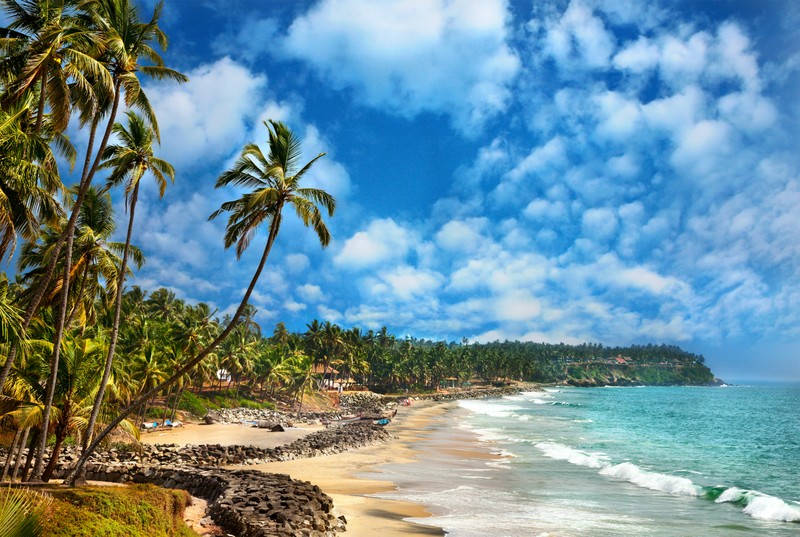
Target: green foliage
22	513
127	511
193	404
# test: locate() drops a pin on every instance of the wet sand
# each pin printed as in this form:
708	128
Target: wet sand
338	476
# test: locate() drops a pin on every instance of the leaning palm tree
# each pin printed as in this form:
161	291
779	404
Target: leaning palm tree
275	182
129	161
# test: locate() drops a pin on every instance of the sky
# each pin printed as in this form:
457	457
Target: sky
613	171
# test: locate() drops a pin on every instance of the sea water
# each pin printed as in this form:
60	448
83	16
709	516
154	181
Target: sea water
671	461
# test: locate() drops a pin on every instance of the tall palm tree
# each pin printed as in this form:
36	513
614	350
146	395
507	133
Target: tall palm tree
129	161
275	181
129	51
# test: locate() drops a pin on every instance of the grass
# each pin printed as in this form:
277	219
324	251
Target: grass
115	511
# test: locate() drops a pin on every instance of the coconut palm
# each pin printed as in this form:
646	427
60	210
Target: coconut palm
129	161
52	50
129	51
96	259
275	180
28	179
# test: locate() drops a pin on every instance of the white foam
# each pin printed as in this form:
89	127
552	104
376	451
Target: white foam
571	455
760	505
771	508
652	480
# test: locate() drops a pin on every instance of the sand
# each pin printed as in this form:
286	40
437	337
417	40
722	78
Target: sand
227	434
338	475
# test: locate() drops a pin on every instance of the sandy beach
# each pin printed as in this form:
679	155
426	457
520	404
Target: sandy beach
338	475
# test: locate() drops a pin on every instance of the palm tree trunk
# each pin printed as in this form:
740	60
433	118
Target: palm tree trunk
38	468
86	180
51	466
10	454
81	289
178	400
166	406
273	232
98	400
31	452
19	453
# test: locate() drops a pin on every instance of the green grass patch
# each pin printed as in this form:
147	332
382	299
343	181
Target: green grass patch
119	511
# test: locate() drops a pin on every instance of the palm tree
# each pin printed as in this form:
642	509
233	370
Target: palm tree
129	161
275	182
53	50
127	41
28	180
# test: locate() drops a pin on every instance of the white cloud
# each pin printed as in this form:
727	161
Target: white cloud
383	240
206	118
404	283
445	56
599	224
293	306
683	61
296	263
517	307
460	236
255	37
701	146
619	118
310	293
579	38
638	57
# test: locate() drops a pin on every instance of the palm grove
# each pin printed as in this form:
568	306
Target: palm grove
82	353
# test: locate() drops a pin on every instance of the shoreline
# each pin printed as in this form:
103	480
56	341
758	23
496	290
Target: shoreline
341	476
354	479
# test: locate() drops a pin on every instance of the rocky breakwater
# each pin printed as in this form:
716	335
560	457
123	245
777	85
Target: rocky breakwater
245	503
324	442
259	415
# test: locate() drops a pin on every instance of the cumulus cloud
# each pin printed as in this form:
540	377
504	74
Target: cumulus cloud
310	293
206	118
447	56
383	240
579	39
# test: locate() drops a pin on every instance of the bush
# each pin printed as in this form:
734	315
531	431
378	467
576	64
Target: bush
197	406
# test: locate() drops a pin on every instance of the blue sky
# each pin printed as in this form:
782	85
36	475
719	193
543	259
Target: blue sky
617	172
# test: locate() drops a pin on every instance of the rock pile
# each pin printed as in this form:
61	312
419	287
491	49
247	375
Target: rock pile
255	415
324	442
246	503
362	402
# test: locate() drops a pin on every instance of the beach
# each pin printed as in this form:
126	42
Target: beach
341	476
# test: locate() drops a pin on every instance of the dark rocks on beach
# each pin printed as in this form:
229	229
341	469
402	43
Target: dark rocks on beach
245	503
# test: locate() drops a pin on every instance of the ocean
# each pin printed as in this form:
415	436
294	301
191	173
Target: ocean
662	461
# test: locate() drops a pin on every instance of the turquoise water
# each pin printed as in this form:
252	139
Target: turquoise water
672	461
